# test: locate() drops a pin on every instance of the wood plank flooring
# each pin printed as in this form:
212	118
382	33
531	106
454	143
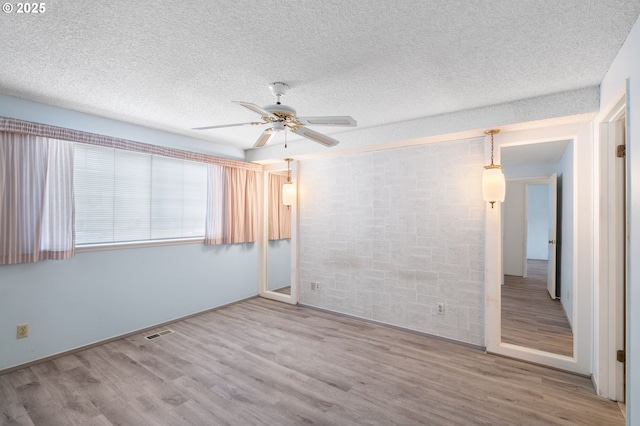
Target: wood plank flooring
530	317
261	362
284	290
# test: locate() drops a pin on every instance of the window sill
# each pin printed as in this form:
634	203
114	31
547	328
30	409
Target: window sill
138	244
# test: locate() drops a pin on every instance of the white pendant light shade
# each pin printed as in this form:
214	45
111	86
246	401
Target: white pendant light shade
493	185
288	194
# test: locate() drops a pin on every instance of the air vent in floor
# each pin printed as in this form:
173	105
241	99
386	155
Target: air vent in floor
159	334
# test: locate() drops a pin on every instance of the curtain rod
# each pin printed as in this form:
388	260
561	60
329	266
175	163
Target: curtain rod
14	125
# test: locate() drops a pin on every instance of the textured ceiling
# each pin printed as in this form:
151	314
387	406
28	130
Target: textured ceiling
178	65
528	154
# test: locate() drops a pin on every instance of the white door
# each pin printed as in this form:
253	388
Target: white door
551	265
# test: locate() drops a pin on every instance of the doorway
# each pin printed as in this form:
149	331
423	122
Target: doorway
612	209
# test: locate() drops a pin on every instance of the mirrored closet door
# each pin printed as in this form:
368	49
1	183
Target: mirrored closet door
278	270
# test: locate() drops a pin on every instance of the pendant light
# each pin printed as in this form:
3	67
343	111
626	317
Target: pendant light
493	182
288	188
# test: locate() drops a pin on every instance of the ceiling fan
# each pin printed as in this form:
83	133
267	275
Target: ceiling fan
281	117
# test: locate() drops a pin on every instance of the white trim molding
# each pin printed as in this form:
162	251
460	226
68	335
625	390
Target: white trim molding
608	375
582	270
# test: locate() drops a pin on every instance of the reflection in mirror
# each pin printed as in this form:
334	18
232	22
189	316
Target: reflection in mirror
279	237
537	293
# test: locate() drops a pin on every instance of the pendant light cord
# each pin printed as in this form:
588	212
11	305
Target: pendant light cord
288	160
491	132
492	149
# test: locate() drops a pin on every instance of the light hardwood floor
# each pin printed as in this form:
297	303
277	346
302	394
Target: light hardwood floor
261	362
530	317
284	290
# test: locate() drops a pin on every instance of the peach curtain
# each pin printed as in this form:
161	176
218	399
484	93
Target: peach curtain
36	199
279	214
232	205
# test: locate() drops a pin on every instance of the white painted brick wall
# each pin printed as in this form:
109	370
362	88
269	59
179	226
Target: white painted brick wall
390	234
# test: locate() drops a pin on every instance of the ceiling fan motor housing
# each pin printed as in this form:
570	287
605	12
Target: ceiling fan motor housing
280	110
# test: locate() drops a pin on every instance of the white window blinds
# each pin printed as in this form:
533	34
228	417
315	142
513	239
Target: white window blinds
124	196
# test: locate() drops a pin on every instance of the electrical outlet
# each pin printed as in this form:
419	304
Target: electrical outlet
313	286
318	286
441	308
23	331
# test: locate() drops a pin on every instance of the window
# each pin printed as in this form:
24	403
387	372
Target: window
124	196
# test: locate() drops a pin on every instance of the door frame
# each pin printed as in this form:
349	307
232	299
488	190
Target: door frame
552	224
609	376
526	182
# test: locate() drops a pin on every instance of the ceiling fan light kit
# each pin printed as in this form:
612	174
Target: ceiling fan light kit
281	117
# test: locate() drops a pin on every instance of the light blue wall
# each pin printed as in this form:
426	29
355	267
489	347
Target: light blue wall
98	295
538	222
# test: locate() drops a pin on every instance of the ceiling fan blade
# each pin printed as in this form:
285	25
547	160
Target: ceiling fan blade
315	136
228	125
343	120
264	138
255	108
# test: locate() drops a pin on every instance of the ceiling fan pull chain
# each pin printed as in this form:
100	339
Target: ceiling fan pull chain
285	138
